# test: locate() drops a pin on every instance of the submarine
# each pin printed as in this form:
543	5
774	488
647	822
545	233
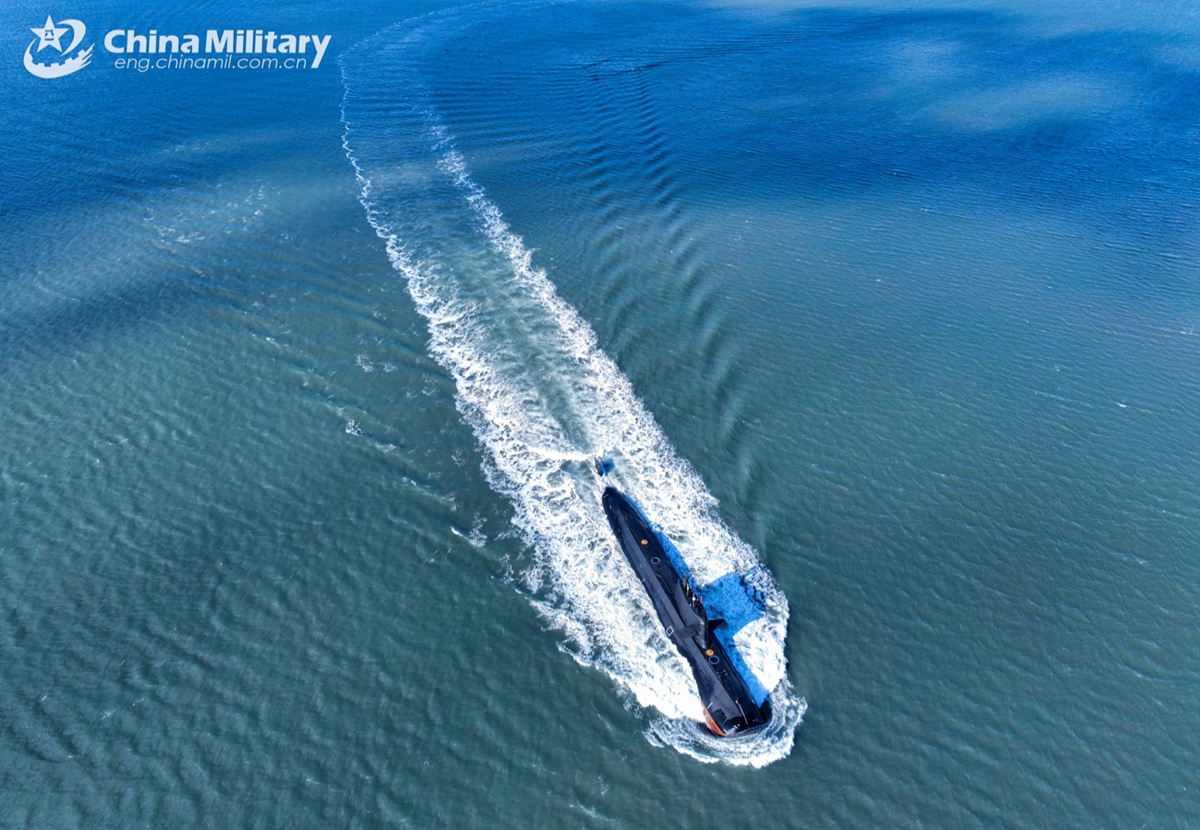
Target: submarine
729	705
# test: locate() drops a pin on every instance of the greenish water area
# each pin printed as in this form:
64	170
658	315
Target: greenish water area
887	309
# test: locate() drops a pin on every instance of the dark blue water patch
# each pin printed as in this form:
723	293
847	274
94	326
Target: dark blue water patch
1093	126
1097	127
730	598
77	141
845	96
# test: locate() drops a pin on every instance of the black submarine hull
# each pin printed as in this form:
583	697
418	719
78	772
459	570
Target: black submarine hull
729	706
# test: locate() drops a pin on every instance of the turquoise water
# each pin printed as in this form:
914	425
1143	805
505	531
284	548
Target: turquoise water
301	373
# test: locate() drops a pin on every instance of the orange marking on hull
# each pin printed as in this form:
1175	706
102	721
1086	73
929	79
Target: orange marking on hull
712	724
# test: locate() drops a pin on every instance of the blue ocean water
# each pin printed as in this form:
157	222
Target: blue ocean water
301	372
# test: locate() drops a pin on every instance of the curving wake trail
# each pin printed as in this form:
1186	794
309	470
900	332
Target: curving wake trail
543	400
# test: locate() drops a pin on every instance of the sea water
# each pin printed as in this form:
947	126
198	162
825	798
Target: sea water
894	305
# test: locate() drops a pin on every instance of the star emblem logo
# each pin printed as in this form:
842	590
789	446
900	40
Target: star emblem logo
50	34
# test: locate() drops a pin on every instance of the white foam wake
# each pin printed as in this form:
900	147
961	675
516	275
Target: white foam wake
543	400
